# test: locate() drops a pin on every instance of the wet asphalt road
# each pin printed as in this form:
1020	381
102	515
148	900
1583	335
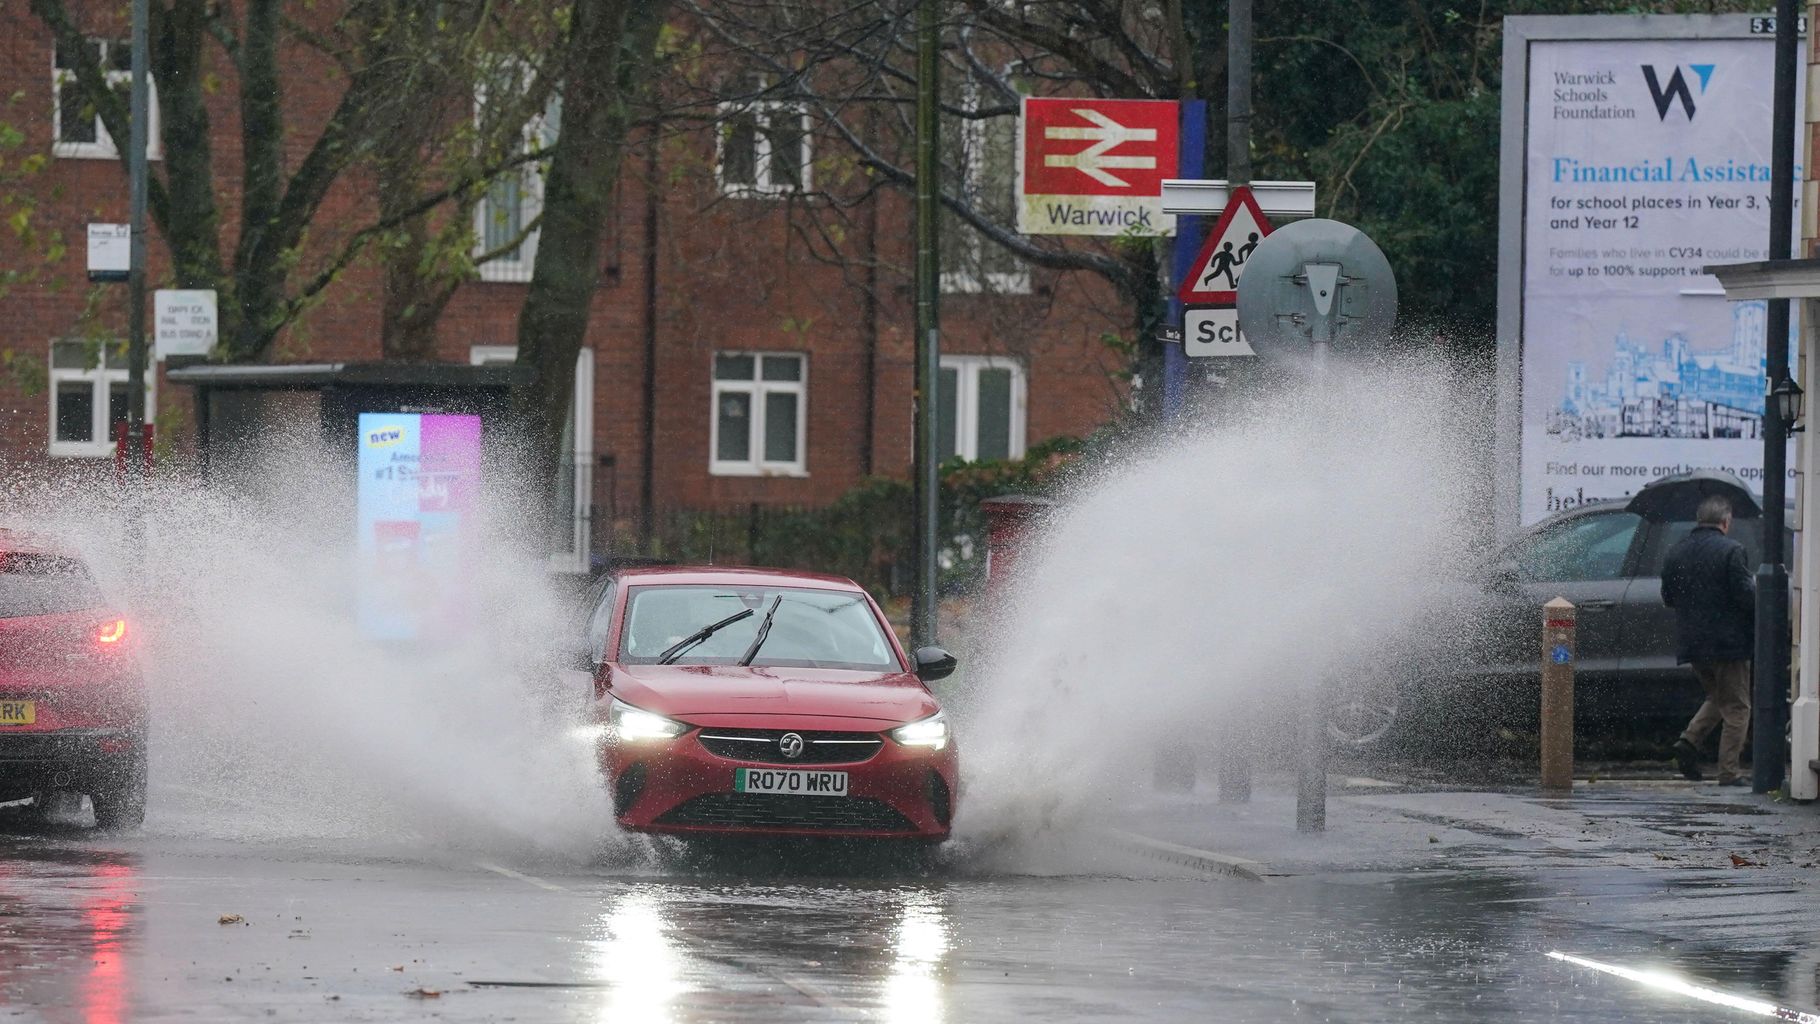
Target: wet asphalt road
100	929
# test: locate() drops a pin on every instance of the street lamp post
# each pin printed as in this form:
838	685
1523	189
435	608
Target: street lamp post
1770	685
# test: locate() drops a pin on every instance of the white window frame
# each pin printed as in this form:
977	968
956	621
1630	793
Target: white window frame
104	147
758	388
967	402
973	187
100	379
581	426
762	187
530	198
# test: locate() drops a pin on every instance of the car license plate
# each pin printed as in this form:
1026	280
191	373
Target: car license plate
796	783
18	712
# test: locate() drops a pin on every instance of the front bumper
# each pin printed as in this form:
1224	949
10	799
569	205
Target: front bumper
677	786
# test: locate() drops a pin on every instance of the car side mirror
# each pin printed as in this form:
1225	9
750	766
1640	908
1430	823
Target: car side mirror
933	663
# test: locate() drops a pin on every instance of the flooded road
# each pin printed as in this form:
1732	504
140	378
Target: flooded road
101	929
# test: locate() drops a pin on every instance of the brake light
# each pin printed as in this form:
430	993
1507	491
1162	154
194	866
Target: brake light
111	632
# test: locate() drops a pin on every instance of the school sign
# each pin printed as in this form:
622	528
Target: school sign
1095	166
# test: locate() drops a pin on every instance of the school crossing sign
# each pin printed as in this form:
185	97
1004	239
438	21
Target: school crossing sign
1095	166
1213	280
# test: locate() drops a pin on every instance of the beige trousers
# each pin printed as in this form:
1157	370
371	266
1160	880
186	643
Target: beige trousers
1727	685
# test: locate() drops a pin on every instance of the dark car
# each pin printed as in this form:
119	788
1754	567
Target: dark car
72	701
1479	650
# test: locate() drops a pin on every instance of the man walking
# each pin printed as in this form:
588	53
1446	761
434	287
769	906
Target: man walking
1707	582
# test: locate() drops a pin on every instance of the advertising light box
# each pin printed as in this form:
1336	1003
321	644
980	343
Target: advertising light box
417	506
1636	153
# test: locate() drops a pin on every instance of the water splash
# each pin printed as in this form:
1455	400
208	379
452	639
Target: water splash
1190	593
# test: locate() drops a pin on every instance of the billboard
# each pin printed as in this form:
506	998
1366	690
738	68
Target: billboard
1095	166
1636	151
417	502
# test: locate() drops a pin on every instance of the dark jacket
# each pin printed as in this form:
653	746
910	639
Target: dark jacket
1706	581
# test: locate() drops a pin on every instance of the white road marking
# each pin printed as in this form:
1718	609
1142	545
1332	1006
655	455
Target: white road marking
527	879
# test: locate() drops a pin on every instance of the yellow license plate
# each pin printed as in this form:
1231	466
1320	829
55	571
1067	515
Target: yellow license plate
18	712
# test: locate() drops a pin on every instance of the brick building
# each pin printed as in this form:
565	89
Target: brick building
767	373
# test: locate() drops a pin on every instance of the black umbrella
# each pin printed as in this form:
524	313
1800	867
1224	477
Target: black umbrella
1676	498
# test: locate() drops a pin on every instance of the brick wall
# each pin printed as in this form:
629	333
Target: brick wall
730	273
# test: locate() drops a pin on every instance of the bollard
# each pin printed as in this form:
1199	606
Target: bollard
1558	622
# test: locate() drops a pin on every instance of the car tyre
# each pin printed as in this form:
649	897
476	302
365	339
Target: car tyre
120	804
1365	719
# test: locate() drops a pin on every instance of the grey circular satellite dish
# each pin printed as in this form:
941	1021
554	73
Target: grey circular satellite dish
1312	283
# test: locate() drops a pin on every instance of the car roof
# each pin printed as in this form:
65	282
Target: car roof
721	575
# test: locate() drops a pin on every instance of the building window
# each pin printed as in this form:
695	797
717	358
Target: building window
571	541
760	405
981	157
981	408
88	397
505	219
762	149
77	127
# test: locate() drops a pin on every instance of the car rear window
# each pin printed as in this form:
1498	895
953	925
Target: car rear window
33	584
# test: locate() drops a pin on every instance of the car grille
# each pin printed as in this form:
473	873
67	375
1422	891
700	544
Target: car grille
761	746
769	810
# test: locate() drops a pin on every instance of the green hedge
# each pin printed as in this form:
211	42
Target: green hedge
866	534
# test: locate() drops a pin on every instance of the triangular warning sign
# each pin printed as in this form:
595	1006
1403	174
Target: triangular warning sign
1213	278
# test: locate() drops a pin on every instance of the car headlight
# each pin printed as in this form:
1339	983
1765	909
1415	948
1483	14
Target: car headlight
626	722
929	732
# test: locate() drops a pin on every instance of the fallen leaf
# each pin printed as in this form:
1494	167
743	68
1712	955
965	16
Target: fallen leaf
232	919
1744	862
1432	839
400	967
424	993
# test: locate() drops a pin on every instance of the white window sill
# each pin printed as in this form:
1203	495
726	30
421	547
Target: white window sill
95	151
81	450
994	284
505	273
747	469
760	191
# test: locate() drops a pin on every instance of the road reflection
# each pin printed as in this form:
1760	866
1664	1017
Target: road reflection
75	911
635	956
916	987
670	952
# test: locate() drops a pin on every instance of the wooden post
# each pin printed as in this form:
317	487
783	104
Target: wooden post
1558	623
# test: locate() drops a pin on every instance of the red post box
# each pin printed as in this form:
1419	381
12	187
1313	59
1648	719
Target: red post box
1008	519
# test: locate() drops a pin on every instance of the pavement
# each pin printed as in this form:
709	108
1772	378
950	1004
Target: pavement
1421	902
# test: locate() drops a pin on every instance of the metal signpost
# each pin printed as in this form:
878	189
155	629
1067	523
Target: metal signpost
1315	287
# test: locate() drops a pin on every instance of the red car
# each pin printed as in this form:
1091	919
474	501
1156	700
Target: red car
740	701
72	701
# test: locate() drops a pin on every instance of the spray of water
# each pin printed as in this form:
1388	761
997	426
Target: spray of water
1191	592
1186	592
277	717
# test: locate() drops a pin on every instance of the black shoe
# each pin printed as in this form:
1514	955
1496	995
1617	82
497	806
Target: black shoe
1687	759
1736	780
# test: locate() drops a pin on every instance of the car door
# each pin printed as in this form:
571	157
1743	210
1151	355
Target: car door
1648	624
1586	558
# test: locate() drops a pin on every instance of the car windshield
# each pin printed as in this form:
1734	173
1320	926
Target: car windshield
33	584
812	628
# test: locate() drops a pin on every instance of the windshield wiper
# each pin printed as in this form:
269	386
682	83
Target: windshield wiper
681	647
764	630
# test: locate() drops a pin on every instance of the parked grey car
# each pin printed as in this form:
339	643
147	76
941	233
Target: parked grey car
1478	655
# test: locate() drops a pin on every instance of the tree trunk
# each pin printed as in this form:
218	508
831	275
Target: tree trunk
610	54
